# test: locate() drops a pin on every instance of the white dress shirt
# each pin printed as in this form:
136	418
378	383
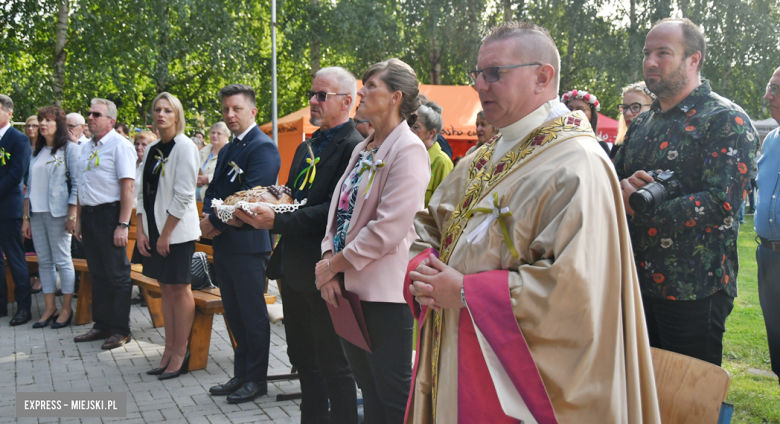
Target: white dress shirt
82	140
4	130
243	134
99	183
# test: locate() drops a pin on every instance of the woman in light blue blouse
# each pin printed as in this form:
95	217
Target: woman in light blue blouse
50	211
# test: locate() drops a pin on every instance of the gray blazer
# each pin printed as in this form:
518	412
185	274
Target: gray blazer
59	199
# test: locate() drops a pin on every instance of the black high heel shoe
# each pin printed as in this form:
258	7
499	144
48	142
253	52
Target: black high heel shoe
157	371
43	324
185	368
56	324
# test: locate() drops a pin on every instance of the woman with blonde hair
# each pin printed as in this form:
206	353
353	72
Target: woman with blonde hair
168	227
369	232
50	211
219	134
637	98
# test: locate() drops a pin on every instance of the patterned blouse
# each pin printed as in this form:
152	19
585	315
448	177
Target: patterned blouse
686	248
347	198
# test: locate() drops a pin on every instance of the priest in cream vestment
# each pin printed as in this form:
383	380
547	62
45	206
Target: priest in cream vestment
533	312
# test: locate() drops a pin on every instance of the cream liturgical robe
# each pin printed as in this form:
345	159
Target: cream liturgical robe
554	331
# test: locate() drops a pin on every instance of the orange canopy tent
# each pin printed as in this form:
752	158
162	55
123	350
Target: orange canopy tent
460	104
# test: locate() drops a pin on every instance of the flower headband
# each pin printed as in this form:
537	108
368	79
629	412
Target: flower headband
639	86
582	95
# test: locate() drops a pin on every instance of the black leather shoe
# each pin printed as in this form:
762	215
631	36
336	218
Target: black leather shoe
231	386
92	335
184	369
21	317
42	324
157	371
248	392
56	324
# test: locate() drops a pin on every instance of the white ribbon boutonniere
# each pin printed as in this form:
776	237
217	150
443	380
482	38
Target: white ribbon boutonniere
161	160
56	161
497	213
235	171
369	164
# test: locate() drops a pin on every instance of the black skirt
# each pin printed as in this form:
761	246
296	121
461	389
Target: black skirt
172	269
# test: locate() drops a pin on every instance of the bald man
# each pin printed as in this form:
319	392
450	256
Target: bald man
76	126
523	279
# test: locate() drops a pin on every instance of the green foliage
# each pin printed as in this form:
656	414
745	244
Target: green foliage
129	50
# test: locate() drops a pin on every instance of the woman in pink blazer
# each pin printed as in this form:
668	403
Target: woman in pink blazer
370	229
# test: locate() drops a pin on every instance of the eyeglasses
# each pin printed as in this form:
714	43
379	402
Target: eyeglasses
322	95
98	115
72	127
773	89
31	126
492	73
633	107
362	121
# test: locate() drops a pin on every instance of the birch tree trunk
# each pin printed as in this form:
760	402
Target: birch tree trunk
58	83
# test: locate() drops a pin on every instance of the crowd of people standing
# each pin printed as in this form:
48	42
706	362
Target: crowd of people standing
525	267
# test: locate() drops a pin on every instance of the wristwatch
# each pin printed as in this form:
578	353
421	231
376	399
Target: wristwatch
124	225
72	218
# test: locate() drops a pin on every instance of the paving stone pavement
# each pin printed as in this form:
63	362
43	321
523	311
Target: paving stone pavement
46	360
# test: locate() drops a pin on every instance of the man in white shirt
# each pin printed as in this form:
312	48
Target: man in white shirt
76	125
106	191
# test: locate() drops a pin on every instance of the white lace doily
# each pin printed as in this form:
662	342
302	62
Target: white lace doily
225	212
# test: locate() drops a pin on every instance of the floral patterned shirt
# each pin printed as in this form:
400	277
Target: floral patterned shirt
347	197
686	248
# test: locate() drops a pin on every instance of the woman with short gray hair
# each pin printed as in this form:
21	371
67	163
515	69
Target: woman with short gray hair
428	126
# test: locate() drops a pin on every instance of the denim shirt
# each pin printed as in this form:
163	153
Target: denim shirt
59	199
767	219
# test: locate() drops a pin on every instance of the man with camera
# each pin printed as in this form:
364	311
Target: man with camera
701	148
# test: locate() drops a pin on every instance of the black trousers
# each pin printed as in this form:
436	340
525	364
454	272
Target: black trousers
315	350
241	280
769	295
109	268
384	376
690	327
11	245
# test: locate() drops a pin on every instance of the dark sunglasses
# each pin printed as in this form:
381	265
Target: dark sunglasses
773	89
322	95
98	115
493	74
633	107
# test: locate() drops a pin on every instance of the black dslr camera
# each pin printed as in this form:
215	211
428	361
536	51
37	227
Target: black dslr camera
665	186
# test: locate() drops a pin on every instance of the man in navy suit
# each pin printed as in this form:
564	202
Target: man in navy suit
14	158
250	159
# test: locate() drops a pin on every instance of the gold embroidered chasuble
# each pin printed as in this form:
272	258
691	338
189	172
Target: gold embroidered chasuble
573	285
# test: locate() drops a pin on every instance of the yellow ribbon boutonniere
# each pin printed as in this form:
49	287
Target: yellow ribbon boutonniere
4	156
236	171
369	164
161	160
56	161
497	213
312	168
97	160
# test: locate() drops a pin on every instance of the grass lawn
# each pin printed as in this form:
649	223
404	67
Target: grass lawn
754	391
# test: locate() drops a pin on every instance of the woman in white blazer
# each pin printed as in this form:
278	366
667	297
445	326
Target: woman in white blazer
169	227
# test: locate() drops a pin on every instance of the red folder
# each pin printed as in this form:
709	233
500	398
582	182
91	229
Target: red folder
348	320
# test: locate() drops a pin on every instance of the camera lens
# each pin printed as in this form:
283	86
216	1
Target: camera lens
640	200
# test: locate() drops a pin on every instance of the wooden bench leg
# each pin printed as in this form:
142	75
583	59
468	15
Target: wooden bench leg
155	307
84	301
9	281
230	332
200	340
